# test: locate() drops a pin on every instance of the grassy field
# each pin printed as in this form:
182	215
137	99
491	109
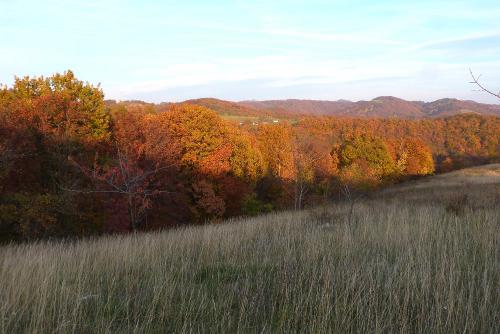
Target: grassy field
422	257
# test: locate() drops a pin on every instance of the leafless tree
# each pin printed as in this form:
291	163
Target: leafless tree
137	185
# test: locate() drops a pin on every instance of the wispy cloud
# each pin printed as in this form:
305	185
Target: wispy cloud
276	71
482	40
255	49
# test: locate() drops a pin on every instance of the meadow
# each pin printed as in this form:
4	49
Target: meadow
421	257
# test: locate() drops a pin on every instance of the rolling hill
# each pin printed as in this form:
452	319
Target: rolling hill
383	107
380	107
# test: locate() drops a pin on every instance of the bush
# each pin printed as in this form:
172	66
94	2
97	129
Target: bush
253	206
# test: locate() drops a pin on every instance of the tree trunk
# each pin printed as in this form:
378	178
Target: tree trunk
131	214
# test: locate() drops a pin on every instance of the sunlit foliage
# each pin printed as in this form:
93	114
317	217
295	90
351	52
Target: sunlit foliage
72	165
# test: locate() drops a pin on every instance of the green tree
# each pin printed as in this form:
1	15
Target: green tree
364	161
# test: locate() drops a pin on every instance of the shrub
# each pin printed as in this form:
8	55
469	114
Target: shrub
253	206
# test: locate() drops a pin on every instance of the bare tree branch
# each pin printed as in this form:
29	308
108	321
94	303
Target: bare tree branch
475	81
137	185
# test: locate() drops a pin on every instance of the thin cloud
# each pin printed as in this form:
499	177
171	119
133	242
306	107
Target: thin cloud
485	40
286	32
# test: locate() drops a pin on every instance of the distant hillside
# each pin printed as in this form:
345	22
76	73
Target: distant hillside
384	106
380	107
227	107
241	113
449	107
306	107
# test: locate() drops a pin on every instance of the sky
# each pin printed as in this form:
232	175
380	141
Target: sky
256	50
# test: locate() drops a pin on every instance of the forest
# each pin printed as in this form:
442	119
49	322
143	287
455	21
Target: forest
72	165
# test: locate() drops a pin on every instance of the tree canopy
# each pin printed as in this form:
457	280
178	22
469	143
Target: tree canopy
73	165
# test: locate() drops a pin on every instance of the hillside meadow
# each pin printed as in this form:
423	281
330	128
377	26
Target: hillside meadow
421	257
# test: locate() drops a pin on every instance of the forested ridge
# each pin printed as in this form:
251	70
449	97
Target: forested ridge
72	165
382	106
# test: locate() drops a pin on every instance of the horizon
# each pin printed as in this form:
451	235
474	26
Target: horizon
237	51
299	99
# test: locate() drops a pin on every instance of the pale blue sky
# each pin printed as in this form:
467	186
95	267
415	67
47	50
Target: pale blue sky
318	49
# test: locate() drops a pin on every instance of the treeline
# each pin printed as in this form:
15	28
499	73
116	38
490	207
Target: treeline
72	166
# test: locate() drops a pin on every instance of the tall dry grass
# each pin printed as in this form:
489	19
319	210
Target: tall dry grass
401	265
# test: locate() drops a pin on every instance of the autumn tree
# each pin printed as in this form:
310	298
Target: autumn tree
138	167
247	162
314	165
414	158
44	121
125	176
364	161
218	162
276	145
63	105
